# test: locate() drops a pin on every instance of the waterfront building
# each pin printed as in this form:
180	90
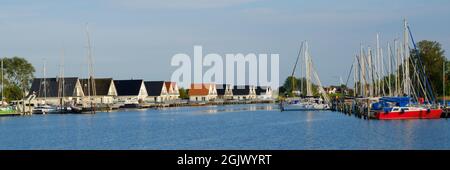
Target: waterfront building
130	91
202	92
264	93
172	90
333	89
156	92
224	91
105	90
244	92
52	90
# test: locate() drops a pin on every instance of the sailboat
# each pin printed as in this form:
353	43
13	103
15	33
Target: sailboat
44	108
308	101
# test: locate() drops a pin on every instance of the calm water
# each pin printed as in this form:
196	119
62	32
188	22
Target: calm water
219	127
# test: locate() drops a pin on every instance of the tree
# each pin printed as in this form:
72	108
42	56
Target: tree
432	56
296	84
183	93
18	74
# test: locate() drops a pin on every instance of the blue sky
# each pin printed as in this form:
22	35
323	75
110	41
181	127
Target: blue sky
137	38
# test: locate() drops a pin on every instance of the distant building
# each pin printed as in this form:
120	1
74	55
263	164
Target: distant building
202	92
334	89
156	91
244	92
224	91
172	90
105	90
130	91
52	90
264	92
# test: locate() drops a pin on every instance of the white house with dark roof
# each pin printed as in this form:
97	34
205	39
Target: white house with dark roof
52	90
264	93
244	92
130	91
224	91
156	92
105	92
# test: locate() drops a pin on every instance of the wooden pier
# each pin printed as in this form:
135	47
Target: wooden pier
359	108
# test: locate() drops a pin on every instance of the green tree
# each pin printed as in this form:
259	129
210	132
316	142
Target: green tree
296	84
183	93
433	58
18	74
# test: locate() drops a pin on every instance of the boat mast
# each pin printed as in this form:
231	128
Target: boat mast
45	83
377	66
444	103
369	55
61	82
2	82
406	55
355	74
382	80
363	72
397	68
390	68
91	80
308	71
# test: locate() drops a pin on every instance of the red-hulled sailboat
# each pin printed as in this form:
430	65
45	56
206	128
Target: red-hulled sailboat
397	113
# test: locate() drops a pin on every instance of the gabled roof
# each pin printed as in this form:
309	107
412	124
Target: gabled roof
102	86
261	89
128	87
52	85
241	90
199	89
154	88
221	88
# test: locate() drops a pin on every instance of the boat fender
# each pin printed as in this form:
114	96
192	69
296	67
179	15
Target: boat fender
402	111
428	110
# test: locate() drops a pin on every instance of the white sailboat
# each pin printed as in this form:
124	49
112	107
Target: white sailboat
44	108
307	102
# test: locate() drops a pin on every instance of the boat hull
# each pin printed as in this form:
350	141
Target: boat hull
419	114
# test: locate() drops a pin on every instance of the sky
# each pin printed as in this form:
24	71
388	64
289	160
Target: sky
137	38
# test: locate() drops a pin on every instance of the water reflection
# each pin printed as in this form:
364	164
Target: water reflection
239	109
409	134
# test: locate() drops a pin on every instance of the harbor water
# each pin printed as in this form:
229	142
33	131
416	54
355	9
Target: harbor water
257	126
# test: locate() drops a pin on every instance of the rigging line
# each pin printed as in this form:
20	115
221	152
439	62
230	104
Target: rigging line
350	72
295	66
419	83
429	87
296	61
